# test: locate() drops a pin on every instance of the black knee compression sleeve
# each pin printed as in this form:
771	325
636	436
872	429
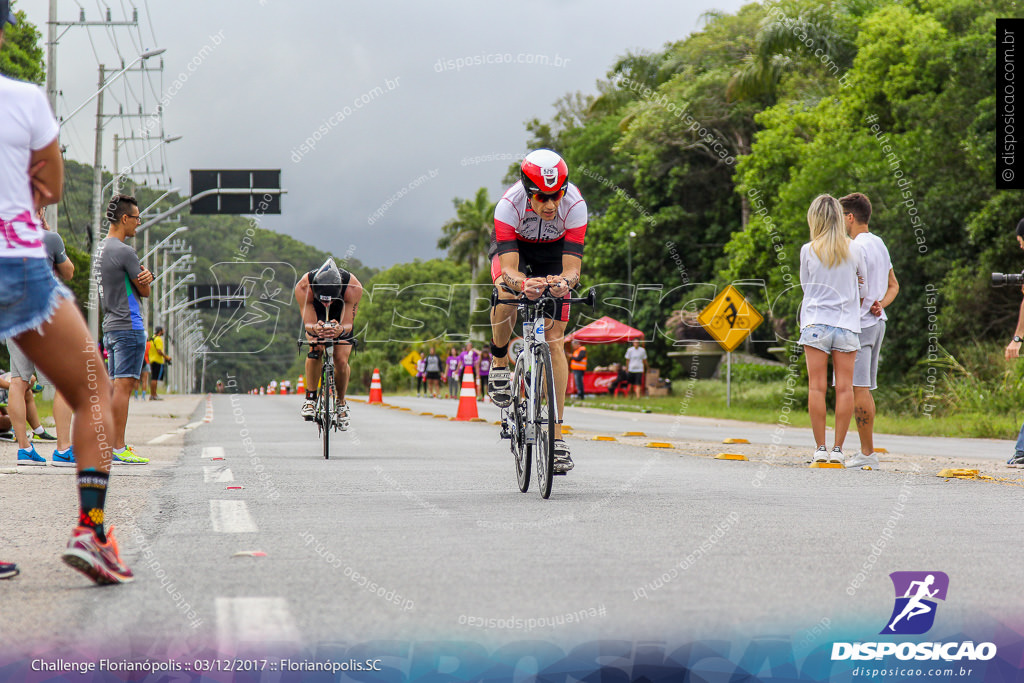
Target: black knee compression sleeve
499	351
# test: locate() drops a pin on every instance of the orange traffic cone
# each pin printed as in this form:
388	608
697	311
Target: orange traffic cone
376	395
284	390
300	386
467	398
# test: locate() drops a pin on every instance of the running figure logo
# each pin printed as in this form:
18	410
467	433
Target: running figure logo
914	611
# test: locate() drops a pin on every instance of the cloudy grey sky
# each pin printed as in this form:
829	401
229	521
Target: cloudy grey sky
375	87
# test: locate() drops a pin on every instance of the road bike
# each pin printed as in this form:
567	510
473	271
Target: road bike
529	421
326	399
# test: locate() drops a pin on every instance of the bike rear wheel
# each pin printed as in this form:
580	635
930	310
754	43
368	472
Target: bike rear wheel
544	425
517	414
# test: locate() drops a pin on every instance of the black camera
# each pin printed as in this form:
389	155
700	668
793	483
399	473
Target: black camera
1004	279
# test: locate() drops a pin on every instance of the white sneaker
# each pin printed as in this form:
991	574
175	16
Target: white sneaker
864	462
820	455
836	458
308	411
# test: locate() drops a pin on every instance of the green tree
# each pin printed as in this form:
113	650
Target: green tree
21	56
467	237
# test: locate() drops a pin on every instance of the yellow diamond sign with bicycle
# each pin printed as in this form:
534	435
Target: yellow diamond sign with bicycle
409	362
729	318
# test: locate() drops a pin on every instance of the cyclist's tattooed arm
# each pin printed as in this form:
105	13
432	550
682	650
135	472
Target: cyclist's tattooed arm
571	268
304	298
513	283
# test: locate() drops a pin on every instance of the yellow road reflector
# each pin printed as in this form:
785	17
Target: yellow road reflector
603	438
735	441
730	456
828	465
657	444
445	417
634	434
564	427
405	408
958	473
497	422
430	414
478	419
880	450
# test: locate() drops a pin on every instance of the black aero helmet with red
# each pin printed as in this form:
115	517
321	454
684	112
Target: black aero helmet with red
545	173
326	281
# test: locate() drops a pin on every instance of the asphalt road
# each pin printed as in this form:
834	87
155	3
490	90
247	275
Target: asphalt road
415	530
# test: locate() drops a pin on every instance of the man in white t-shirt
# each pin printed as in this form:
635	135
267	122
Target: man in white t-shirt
636	366
881	288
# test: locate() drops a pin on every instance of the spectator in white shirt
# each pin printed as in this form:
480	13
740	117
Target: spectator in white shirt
831	275
880	288
636	358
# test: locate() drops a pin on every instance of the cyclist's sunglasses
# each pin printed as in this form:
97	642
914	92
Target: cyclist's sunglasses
554	197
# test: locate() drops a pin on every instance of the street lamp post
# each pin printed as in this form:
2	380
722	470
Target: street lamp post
120	173
629	273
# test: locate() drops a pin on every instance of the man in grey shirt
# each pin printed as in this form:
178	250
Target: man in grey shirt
21	403
123	283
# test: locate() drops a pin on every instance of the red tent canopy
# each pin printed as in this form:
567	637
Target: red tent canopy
606	331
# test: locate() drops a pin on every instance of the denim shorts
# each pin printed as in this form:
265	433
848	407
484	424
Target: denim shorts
828	338
29	294
125	349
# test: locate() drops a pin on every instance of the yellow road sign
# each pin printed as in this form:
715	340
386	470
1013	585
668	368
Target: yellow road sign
729	318
410	361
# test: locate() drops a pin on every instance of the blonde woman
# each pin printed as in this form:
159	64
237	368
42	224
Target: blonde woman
831	276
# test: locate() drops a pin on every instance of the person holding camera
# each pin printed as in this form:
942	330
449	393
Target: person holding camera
1013	351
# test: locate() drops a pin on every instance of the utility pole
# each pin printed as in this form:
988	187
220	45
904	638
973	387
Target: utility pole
97	223
52	213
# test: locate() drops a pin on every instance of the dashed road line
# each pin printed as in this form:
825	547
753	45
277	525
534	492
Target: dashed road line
212	452
212	474
254	623
231	517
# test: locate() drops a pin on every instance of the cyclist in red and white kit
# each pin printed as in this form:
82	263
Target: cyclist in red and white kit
539	227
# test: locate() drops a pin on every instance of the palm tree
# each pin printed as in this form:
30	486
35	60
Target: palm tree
467	237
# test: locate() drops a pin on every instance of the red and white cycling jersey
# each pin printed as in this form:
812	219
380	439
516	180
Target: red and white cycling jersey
514	221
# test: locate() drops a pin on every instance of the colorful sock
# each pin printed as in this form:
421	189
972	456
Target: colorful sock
92	492
310	395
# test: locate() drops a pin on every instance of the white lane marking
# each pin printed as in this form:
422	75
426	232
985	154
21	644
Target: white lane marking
193	425
245	622
213	474
212	452
162	438
231	517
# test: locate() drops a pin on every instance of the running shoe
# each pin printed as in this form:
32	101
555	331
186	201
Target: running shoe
864	462
499	386
101	562
821	455
129	457
43	436
64	458
8	436
8	570
563	463
28	456
837	456
308	411
1016	461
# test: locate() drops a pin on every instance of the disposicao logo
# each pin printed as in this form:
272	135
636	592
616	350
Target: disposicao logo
916	592
914	614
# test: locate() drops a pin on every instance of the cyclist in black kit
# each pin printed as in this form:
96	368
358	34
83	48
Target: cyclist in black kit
329	298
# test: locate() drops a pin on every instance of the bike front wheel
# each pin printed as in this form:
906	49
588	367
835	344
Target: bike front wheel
517	414
327	417
544	419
